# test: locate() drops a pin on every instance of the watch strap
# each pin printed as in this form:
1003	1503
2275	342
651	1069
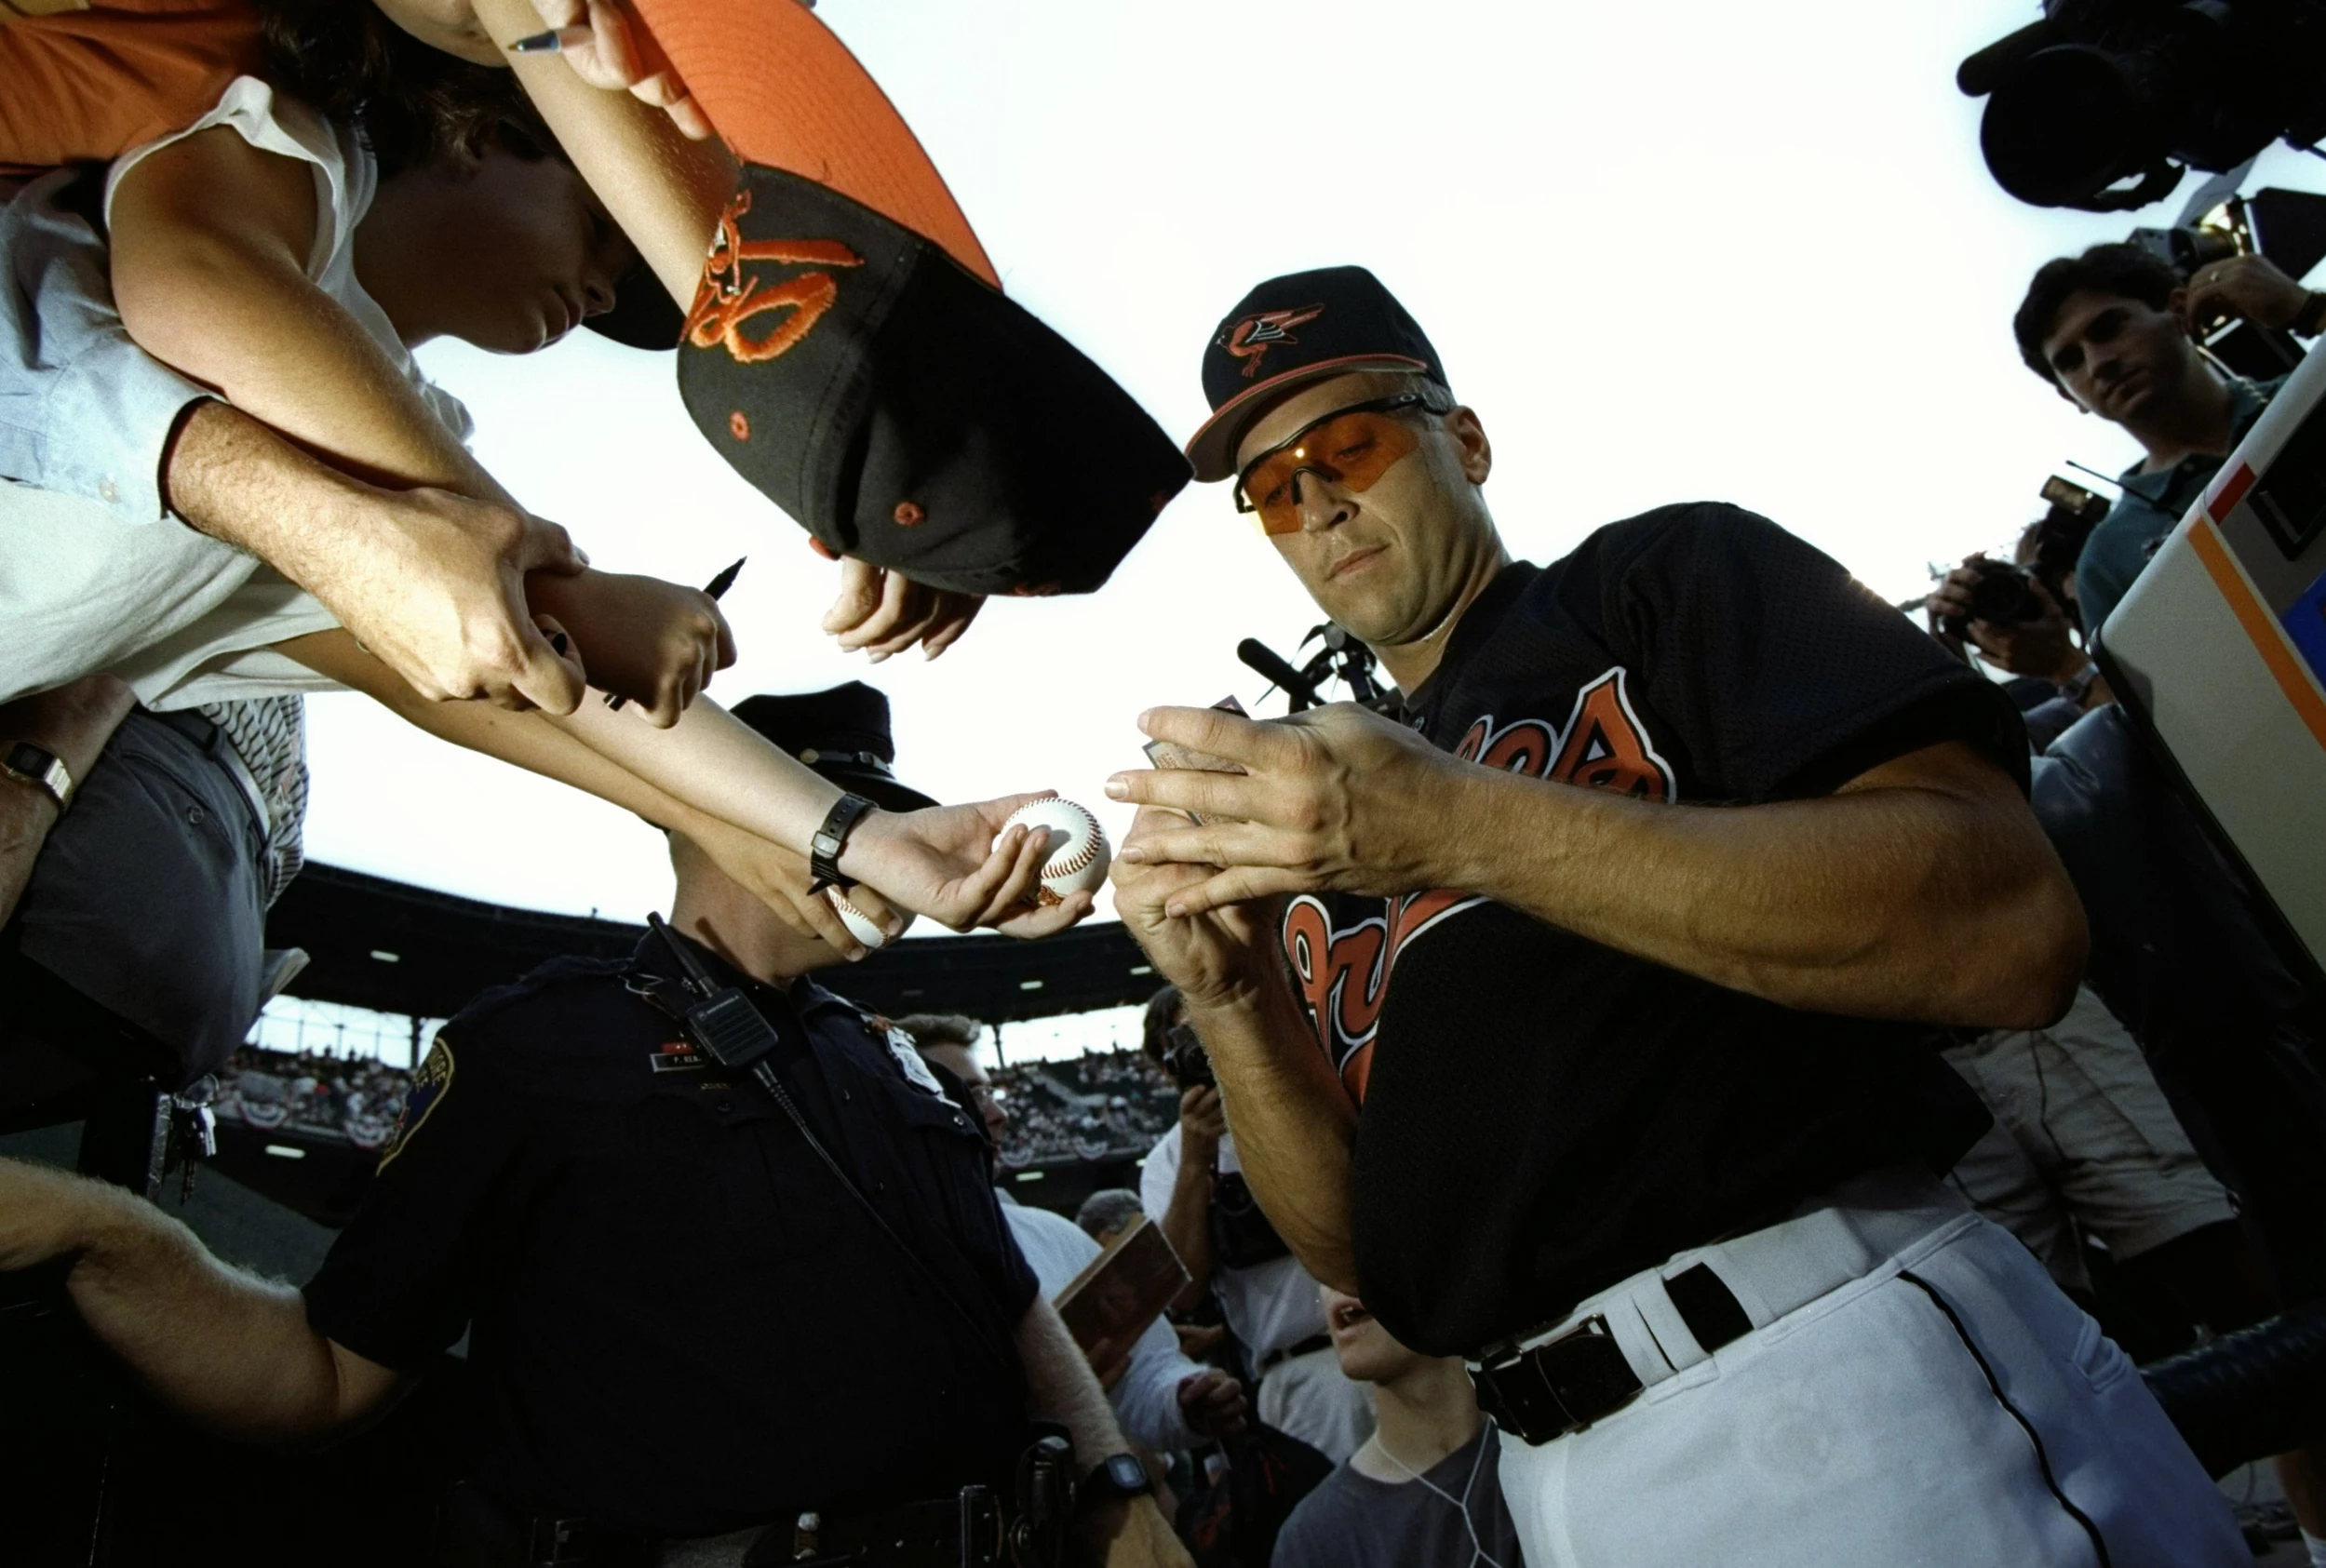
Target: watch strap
1116	1477
831	839
41	768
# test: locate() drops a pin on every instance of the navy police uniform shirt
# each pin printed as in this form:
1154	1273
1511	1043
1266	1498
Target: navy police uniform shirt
1542	1116
680	1323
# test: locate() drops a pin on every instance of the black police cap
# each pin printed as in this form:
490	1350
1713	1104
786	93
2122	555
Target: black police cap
841	733
903	410
1293	329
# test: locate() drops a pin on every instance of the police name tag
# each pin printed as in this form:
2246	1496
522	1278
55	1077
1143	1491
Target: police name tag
676	1056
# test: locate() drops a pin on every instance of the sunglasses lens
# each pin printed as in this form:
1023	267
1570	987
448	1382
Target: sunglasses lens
1352	450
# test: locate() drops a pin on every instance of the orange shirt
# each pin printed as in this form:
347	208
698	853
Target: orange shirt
86	80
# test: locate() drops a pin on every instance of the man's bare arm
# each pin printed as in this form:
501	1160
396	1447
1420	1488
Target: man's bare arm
431	582
228	1349
1922	889
1060	1384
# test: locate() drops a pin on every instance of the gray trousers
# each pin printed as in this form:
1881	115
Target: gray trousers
147	897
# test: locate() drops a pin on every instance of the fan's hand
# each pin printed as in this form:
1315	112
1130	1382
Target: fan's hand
962	865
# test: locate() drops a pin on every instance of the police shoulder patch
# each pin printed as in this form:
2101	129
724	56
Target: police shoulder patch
428	1087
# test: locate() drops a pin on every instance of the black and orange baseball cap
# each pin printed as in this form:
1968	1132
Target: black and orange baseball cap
850	351
1295	330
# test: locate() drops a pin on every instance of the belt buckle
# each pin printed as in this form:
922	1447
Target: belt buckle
1534	1393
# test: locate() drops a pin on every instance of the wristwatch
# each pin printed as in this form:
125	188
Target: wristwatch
823	850
2311	318
42	769
1118	1478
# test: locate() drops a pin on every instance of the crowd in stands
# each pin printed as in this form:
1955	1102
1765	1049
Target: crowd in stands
1105	1104
313	1092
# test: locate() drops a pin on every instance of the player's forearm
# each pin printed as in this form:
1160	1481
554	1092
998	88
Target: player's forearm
1918	892
1296	1130
664	191
231	1350
241	481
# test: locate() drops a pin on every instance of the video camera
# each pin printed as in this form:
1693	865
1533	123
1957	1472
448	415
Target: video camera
2100	92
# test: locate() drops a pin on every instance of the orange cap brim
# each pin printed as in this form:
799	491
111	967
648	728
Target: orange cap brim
782	91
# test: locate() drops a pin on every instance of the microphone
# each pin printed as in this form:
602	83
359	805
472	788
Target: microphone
1258	657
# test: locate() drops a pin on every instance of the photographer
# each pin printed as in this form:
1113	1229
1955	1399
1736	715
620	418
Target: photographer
2111	330
1192	1186
2023	617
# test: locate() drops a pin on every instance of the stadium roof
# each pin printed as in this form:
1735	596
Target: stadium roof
398	949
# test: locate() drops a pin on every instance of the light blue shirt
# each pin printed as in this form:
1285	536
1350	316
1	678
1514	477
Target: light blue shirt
84	411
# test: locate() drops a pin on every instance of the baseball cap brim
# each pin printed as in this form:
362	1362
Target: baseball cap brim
1213	446
783	92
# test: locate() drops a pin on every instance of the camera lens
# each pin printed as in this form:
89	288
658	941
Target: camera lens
2069	123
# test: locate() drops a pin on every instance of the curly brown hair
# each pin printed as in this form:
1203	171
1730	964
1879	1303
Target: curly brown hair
412	105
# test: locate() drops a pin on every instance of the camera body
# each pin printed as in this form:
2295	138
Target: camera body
2004	596
1186	1060
2102	92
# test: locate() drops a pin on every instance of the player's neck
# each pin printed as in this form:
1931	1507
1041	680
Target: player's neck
1410	663
1425	1413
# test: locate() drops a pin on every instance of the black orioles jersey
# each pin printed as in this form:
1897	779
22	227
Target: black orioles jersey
1541	1114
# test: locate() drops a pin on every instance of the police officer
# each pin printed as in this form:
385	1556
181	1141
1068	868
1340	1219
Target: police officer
710	1322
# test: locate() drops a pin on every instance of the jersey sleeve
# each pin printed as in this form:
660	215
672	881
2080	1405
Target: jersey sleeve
399	1284
1785	677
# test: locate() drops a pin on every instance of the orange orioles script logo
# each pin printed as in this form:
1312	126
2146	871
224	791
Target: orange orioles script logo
1248	339
1343	974
727	299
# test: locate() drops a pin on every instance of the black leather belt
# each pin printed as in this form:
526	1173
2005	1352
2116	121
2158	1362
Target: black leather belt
965	1531
1277	1357
1566	1384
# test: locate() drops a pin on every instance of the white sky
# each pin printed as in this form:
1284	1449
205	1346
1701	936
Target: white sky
1684	250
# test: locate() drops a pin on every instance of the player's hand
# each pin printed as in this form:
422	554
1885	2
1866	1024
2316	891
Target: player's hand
780	878
1213	1403
886	613
963	867
653	643
2246	288
2044	647
1334	800
607	48
436	585
1217	958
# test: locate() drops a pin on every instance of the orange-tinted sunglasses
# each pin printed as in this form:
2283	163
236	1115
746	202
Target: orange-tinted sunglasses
1351	448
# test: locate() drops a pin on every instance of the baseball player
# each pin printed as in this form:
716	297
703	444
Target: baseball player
1622	942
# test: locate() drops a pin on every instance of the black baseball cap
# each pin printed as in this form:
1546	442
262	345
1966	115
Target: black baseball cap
841	733
903	410
643	316
850	350
1295	330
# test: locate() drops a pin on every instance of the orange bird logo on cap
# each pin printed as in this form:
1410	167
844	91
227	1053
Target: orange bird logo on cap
1248	339
726	298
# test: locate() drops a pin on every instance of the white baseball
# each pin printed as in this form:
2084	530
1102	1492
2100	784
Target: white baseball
1078	857
861	925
